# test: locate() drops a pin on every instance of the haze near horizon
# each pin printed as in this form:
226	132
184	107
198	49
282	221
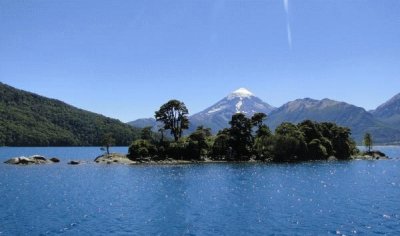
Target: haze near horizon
124	59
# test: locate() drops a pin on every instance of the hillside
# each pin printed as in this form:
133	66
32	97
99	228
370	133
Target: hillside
145	122
389	112
28	119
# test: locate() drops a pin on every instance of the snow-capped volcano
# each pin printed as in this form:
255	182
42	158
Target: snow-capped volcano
240	101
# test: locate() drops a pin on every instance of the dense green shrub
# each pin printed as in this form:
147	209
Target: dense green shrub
140	149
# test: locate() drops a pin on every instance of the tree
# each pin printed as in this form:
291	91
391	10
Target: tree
198	145
161	130
310	130
108	141
174	115
263	146
141	149
241	138
220	147
368	141
258	118
289	143
146	134
343	145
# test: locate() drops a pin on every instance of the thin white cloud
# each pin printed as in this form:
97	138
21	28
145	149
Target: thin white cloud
286	5
289	31
289	35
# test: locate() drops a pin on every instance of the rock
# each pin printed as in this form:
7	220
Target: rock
13	161
26	160
38	157
111	158
74	162
372	155
332	158
55	160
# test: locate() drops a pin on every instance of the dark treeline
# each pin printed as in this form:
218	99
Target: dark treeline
245	139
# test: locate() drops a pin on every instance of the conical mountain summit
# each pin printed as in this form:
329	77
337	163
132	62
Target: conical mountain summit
239	101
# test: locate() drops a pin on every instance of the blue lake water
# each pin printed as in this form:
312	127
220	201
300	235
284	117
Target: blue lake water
314	198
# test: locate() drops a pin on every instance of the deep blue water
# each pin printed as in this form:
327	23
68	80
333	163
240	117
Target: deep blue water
315	198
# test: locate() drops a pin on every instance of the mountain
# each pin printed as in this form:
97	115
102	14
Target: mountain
356	118
389	112
144	122
383	123
218	115
28	119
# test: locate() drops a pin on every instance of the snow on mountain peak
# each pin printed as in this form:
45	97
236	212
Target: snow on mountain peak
242	93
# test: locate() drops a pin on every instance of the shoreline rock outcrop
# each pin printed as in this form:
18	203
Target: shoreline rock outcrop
372	155
73	162
114	158
32	160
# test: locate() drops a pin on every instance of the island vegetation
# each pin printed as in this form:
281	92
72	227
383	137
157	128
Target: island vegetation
247	138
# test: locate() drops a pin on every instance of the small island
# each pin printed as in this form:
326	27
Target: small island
247	139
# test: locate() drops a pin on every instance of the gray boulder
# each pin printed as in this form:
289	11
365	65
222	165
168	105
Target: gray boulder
36	159
74	162
55	160
13	161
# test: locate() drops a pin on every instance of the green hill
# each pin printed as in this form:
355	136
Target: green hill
27	119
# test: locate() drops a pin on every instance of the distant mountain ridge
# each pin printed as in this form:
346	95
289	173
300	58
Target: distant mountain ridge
358	119
28	119
383	123
389	112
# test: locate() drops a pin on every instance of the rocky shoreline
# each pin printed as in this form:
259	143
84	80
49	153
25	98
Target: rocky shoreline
122	159
372	155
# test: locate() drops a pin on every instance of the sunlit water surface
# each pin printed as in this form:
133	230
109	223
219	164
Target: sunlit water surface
314	198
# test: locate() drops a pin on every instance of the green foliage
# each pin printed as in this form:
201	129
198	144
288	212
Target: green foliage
264	146
198	143
368	141
27	119
328	139
178	150
258	118
288	148
241	138
147	134
174	115
316	150
221	145
289	143
108	141
140	149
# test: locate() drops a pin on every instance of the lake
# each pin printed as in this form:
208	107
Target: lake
313	198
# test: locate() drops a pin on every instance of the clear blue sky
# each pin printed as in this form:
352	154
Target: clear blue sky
124	59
